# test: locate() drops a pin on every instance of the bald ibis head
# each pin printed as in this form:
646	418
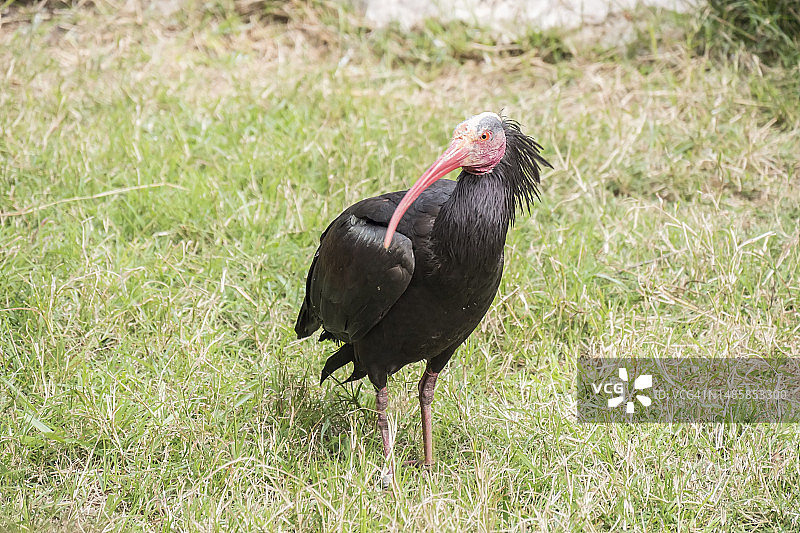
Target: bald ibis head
478	145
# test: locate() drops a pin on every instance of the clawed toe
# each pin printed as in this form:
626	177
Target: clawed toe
385	480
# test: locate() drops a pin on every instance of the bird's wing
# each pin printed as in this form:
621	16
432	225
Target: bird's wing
353	281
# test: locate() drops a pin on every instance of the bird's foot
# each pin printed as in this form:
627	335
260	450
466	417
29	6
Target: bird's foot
385	480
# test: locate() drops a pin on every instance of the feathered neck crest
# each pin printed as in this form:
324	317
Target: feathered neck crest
472	225
520	167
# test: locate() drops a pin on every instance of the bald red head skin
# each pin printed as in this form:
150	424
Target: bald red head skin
478	144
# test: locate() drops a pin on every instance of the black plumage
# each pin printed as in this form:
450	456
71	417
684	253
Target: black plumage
421	297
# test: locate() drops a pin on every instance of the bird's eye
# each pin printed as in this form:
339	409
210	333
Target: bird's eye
485	136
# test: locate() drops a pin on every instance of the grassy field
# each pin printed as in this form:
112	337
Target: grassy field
164	179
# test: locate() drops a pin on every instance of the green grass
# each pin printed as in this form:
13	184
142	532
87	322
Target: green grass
164	181
769	28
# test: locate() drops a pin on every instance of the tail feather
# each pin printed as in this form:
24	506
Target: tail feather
357	374
343	355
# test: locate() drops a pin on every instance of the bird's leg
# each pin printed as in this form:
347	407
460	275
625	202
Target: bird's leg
426	388
381	403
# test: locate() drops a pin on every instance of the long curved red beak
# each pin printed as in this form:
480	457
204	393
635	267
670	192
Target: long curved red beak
451	159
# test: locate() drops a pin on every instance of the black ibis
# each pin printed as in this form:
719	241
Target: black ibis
408	275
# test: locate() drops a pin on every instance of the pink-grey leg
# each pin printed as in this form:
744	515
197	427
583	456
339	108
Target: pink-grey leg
426	387
381	403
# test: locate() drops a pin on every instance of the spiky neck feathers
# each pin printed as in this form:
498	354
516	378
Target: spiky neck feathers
471	227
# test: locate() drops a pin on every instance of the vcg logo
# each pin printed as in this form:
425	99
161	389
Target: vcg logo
620	390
